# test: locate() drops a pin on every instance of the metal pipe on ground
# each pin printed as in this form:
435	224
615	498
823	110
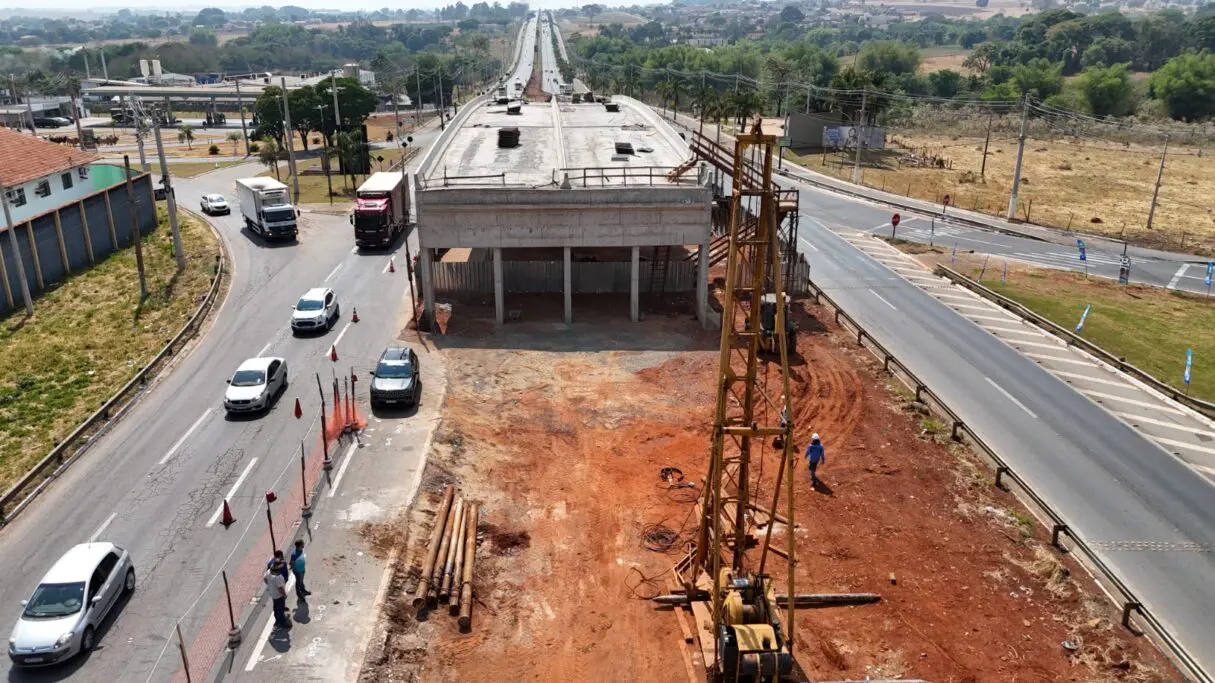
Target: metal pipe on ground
441	561
455	579
419	596
470	557
457	534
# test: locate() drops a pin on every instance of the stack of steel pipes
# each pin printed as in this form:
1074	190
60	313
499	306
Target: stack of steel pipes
448	570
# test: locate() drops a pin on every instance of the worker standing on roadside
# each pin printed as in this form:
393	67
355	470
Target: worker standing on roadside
298	560
277	588
281	564
817	456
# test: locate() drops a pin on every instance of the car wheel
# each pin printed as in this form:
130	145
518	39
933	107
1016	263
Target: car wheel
129	584
86	641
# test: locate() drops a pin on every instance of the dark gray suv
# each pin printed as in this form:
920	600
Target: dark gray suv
396	379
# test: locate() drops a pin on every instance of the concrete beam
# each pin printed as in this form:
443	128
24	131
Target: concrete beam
499	294
702	285
426	266
568	289
635	286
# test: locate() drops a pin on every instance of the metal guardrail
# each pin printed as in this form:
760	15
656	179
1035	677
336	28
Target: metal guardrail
1073	339
64	454
959	431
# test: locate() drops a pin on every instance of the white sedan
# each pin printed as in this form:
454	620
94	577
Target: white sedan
214	204
255	385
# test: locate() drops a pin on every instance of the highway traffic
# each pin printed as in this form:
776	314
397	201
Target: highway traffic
551	78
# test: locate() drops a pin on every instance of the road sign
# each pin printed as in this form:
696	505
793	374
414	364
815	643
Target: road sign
1210	271
1083	317
1189	362
894	220
1080	246
1124	271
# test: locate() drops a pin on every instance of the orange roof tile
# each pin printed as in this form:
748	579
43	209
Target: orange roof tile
24	157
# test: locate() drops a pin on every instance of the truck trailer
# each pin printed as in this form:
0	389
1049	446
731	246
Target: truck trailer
267	208
381	209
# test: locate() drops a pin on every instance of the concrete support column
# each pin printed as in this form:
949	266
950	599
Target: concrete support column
426	272
702	284
569	289
499	294
634	286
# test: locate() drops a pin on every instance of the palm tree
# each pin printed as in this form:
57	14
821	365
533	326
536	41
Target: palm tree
703	98
186	134
268	154
349	150
780	70
666	91
234	138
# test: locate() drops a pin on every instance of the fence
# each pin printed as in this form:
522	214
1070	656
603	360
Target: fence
959	431
531	277
72	237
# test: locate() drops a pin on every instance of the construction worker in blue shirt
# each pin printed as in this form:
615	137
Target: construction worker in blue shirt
816	455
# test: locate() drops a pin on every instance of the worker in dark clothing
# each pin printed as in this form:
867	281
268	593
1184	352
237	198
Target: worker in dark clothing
817	456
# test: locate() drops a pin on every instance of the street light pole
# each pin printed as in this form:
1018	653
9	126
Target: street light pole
326	159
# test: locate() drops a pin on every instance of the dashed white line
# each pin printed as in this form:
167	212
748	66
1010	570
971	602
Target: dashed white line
1057	359
1012	330
341	334
1086	378
1184	445
1178	275
883	299
231	492
102	528
1132	401
265	349
265	636
1010	397
342	469
1163	423
334	271
185	436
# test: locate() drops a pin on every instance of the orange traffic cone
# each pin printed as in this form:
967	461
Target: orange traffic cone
298	411
391	266
333	353
228	519
354	316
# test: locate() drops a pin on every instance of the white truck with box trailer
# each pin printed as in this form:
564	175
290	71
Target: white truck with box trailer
266	206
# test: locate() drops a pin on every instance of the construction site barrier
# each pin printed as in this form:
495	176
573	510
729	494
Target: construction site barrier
93	427
1073	339
960	432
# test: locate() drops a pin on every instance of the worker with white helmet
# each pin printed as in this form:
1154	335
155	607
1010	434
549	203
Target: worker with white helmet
816	455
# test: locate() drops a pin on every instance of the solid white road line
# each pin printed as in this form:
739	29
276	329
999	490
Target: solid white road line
1162	423
1184	445
333	272
342	469
265	636
1057	359
100	529
1132	401
1205	470
340	335
997	318
974	307
185	436
950	295
806	242
231	492
883	299
1087	378
265	349
1010	397
1178	275
1012	330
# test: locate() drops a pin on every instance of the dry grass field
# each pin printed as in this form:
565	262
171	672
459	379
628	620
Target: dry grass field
942	58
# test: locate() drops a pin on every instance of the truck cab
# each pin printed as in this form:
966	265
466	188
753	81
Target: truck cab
381	209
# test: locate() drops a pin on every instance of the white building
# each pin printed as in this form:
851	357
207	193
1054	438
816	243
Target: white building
39	176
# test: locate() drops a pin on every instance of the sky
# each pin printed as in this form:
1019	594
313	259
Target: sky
346	5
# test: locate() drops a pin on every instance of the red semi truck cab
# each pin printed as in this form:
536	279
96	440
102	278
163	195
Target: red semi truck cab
381	209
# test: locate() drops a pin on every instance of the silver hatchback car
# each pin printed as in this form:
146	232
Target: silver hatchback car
61	618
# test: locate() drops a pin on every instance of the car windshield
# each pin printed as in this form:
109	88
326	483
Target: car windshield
248	378
279	213
215	198
55	600
310	305
394	370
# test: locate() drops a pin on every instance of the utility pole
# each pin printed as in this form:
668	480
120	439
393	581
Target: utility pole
240	104
418	109
287	135
442	109
12	85
986	141
12	243
327	161
856	164
396	113
85	51
143	282
337	113
1012	199
167	182
1159	177
137	114
105	72
76	116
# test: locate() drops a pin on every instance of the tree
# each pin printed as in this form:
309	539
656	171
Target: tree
792	15
971	37
305	113
350	150
889	56
269	112
234	138
945	83
1186	85
203	37
211	16
590	11
1038	77
268	153
1107	52
1108	90
186	134
355	102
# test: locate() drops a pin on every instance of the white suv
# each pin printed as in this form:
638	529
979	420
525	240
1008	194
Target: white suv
316	311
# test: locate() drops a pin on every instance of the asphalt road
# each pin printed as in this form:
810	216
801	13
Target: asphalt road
1115	488
154	484
527	58
551	80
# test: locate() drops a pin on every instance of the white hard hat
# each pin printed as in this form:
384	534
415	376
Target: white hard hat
814	436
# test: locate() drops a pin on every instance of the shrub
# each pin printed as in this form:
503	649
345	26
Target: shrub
253	147
213	150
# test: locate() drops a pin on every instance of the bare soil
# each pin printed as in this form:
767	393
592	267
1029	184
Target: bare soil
561	435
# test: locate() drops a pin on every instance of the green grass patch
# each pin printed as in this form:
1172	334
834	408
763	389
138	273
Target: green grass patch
1149	327
88	337
191	170
314	189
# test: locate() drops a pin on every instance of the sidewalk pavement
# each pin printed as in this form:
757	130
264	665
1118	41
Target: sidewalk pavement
373	486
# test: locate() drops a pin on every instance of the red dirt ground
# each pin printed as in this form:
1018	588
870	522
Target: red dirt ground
561	435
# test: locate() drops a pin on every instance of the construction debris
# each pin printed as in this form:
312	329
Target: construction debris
436	537
447	573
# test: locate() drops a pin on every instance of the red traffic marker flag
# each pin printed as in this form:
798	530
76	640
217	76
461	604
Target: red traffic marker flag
298	411
228	518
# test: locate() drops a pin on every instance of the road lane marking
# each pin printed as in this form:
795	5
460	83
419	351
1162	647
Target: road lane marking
997	318
265	348
949	295
185	436
1178	275
975	307
1162	423
1132	401
1012	330
1010	397
231	492
265	637
1041	345
333	272
103	526
806	242
1057	359
342	469
341	334
1183	445
883	299
1086	378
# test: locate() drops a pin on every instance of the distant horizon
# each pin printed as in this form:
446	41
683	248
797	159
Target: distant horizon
112	6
